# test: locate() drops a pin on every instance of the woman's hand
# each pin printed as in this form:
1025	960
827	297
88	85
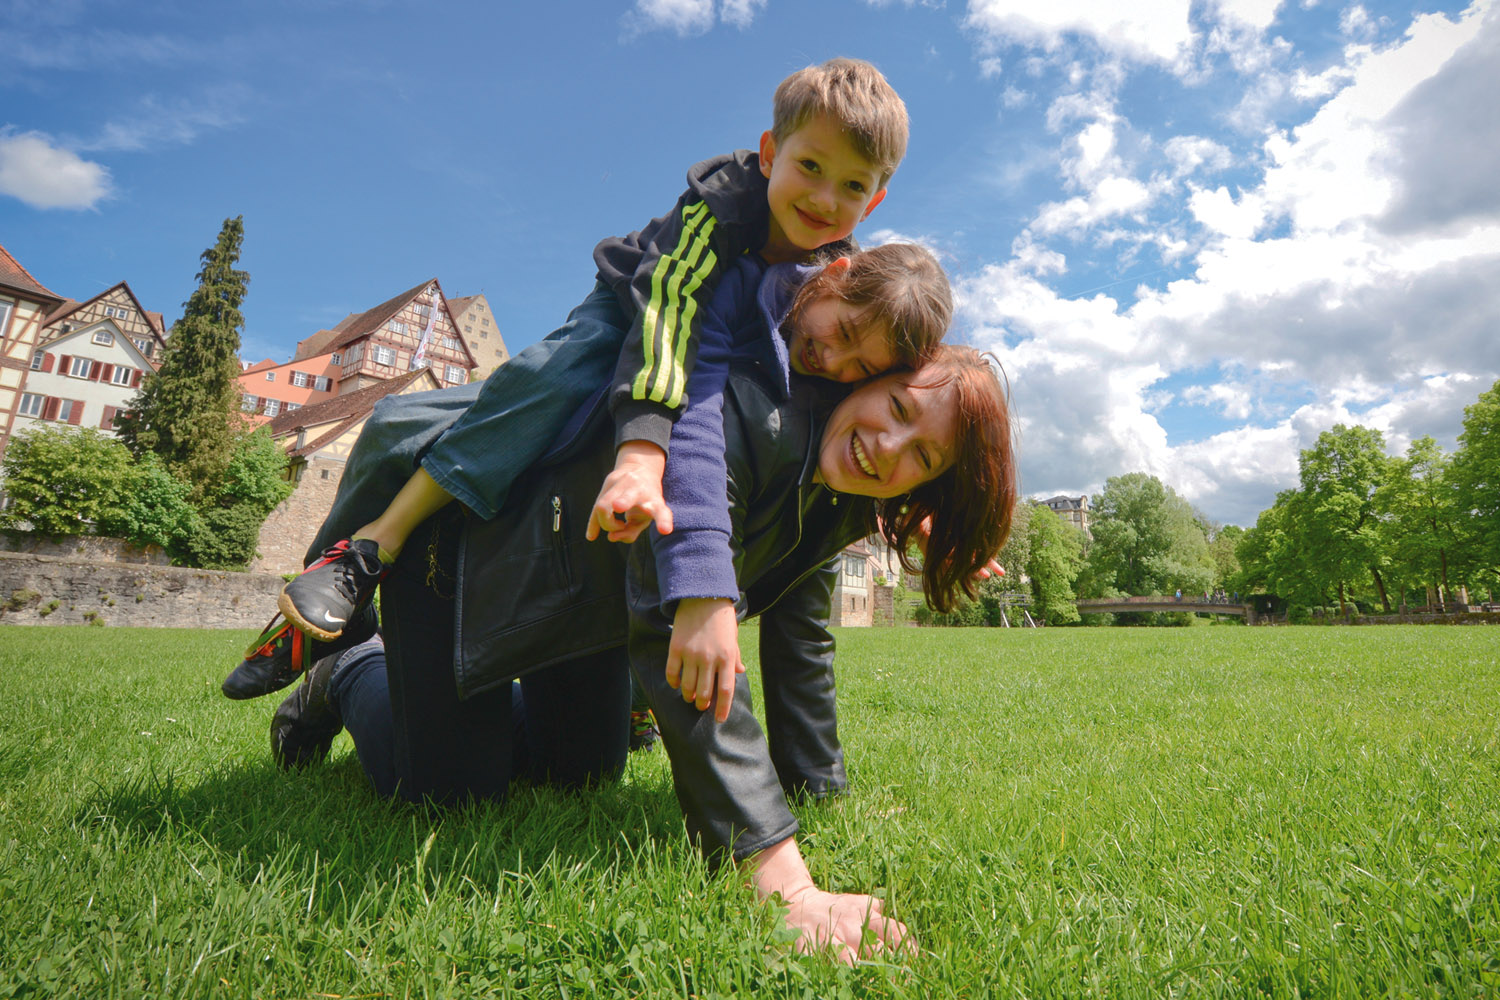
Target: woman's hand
704	654
834	920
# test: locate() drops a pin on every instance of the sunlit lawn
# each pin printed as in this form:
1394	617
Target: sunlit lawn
1067	812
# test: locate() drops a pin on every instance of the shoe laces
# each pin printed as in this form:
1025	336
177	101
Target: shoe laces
276	635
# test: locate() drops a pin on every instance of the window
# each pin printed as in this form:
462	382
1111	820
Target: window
248	402
300	379
454	374
385	356
36	360
270	376
31	405
451	343
5	310
485	321
115	312
67	408
396	326
356	353
104	338
321	383
468	328
423	311
290	407
122	375
80	367
338	358
484	334
273	407
142	344
107	422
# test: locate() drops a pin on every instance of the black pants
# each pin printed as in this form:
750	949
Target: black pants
567	725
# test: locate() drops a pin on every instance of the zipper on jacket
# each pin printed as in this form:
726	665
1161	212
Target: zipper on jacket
559	550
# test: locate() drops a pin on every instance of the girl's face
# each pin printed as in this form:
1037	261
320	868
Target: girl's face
832	341
889	437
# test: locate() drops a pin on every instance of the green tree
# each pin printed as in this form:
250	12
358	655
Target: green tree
76	482
1340	475
1146	540
1222	542
1419	522
1054	560
188	412
233	508
64	481
1475	474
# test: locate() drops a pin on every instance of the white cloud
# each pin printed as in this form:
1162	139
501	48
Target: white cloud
689	17
740	12
1148	32
1351	281
44	175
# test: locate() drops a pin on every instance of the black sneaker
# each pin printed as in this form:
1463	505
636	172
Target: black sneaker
282	653
324	598
303	728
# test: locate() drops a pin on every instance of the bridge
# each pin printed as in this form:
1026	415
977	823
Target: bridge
1167	603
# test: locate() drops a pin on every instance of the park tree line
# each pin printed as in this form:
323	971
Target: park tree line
187	472
1361	530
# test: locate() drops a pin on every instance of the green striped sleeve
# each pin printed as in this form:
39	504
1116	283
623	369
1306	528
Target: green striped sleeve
666	322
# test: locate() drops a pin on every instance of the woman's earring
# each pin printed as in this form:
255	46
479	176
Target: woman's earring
904	509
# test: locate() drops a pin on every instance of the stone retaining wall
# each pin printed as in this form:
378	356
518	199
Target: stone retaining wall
48	590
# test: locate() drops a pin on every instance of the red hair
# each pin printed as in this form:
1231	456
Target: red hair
971	503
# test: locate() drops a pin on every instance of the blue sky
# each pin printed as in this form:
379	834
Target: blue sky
1196	234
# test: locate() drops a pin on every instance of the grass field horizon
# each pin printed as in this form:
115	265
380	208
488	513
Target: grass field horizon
1058	812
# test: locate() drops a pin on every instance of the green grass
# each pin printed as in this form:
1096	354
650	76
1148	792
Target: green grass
1066	812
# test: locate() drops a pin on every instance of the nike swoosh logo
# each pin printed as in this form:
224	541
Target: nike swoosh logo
332	620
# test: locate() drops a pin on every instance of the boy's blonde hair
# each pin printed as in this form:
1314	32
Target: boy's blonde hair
853	93
899	286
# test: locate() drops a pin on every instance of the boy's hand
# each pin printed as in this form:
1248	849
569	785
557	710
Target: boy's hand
704	655
631	496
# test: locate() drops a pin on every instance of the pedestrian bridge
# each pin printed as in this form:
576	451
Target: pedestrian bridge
1166	603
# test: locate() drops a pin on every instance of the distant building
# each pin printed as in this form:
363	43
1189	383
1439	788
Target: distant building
268	390
476	321
83	378
24	305
145	329
412	330
867	572
1074	510
317	438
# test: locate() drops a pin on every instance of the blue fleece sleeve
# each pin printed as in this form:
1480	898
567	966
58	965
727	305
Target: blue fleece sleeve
696	560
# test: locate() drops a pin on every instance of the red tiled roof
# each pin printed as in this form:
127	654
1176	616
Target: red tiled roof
13	275
313	345
157	320
458	305
371	320
344	411
267	363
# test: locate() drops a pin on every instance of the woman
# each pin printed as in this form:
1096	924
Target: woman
530	598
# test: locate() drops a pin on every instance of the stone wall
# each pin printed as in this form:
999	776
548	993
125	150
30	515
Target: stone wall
289	530
885	605
86	548
48	590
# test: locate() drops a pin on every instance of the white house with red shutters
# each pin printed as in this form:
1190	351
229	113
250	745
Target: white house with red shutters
82	378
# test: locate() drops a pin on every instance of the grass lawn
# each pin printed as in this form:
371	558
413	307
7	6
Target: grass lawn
1066	812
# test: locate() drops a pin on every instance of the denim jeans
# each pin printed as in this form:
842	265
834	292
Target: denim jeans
475	439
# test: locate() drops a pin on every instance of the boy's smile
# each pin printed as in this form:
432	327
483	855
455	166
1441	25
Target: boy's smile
820	188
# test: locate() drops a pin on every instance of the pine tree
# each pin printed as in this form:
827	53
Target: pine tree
187	413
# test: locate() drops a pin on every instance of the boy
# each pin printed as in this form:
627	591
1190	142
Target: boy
838	133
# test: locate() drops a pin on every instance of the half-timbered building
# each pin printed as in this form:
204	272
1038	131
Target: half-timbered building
144	328
410	331
24	305
83	378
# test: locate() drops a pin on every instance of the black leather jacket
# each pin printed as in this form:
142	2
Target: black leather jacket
532	593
